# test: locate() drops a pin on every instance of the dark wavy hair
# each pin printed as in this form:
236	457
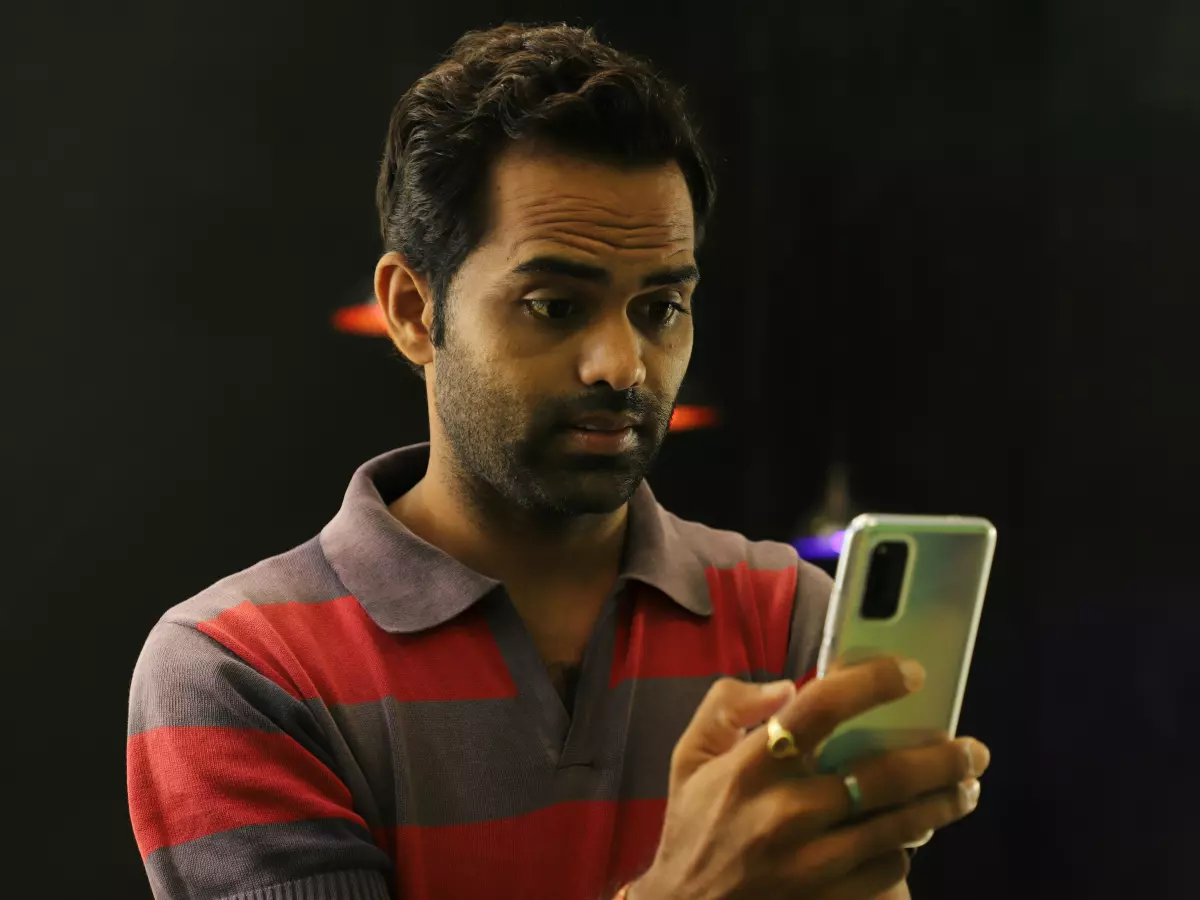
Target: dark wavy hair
556	85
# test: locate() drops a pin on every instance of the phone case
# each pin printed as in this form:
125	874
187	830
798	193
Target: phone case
941	598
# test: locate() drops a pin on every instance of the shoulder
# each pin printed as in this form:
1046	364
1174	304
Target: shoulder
271	618
719	550
301	575
762	592
225	656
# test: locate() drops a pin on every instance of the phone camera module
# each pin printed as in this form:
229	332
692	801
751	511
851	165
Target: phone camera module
885	578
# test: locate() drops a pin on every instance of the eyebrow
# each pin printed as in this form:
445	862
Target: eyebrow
557	265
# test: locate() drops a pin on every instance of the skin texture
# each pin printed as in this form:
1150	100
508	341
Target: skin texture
526	352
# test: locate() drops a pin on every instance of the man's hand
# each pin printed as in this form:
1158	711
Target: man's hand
741	823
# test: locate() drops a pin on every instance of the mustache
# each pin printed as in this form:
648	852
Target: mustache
632	401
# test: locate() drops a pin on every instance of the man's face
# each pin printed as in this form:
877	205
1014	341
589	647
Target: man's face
568	332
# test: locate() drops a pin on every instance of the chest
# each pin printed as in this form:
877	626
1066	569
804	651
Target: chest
560	633
474	727
476	756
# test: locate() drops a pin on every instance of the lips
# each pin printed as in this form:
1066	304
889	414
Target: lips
605	422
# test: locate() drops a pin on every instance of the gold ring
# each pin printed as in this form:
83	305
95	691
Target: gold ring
781	743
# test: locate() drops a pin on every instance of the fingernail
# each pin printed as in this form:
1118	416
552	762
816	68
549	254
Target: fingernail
970	751
967	747
969	791
913	673
777	690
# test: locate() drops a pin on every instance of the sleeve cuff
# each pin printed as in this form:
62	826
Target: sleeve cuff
355	885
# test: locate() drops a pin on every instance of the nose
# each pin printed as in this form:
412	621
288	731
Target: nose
612	353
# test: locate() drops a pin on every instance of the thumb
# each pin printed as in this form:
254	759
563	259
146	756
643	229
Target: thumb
721	720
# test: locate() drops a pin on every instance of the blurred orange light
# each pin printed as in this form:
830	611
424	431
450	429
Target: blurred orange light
691	418
362	318
367	319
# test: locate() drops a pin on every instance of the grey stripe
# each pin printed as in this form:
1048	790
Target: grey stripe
663	709
727	549
185	678
813	587
450	762
320	853
425	763
422	763
301	575
357	885
479	760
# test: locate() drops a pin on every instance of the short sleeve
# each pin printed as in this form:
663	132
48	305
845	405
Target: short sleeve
231	794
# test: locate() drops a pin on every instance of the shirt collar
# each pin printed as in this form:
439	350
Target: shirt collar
407	585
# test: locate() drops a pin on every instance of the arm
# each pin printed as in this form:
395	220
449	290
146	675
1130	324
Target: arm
230	795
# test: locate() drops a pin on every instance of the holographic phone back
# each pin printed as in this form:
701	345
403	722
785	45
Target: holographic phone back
941	597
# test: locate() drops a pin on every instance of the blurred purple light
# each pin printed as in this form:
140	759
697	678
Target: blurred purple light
821	547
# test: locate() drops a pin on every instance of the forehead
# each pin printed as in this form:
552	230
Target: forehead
548	201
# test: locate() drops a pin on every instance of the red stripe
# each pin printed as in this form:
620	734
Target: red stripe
335	652
188	782
748	630
764	601
570	851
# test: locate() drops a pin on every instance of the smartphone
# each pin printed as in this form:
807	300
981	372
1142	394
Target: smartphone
909	586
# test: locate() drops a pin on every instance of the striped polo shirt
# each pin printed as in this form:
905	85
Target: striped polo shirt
366	717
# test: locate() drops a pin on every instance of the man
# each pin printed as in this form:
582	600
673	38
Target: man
503	670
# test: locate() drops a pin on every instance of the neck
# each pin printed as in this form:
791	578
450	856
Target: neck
494	537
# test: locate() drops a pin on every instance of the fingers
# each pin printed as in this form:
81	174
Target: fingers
871	879
797	809
844	693
839	853
895	778
721	719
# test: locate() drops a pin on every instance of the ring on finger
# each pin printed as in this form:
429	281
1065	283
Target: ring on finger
854	792
781	743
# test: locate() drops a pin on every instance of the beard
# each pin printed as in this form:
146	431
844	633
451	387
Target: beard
510	453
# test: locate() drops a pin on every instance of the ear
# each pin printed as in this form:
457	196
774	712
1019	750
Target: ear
407	305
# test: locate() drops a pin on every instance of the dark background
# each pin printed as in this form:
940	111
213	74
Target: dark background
956	245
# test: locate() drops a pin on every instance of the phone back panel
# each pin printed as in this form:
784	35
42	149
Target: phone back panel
941	598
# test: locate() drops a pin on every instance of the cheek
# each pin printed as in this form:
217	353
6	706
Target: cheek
513	378
674	356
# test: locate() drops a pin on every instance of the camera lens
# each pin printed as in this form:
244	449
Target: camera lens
885	577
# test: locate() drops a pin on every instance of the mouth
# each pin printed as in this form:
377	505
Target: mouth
605	422
606	433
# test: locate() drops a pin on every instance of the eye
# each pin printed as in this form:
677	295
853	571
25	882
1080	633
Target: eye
555	309
664	313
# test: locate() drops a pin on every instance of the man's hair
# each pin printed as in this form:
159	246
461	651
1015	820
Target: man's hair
555	85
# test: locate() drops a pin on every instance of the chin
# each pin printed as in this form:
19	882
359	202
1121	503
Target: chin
588	494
